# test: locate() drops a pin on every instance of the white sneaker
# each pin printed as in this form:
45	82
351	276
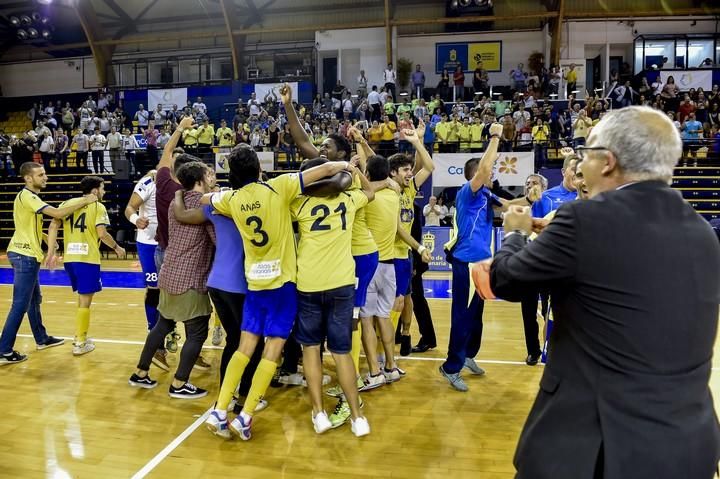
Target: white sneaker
262	404
391	375
372	382
217	423
321	422
325	381
295	379
217	336
83	348
360	427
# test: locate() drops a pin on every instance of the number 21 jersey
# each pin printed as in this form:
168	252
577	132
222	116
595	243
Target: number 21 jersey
261	211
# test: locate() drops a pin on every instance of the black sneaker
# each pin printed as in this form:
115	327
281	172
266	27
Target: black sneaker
138	382
50	342
187	391
532	359
12	358
405	345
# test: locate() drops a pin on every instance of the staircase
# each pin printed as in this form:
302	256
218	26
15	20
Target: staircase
700	186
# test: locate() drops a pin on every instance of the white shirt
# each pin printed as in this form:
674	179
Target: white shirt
142	117
145	189
389	76
129	143
114	140
97	142
200	107
432	215
254	107
373	98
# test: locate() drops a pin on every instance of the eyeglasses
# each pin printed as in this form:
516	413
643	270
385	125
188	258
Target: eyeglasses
581	151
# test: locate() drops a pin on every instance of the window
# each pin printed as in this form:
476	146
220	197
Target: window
698	51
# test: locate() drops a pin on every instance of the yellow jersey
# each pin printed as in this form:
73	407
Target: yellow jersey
324	258
261	211
374	134
226	137
28	220
453	131
407	215
80	236
476	135
206	134
388	131
442	130
362	240
464	134
382	220
190	136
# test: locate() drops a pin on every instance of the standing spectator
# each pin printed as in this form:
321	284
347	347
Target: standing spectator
509	134
418	81
580	128
429	136
62	146
540	135
225	136
114	144
388	128
338	91
389	77
374	104
362	84
519	78
104	123
480	80
206	137
159	114
47	150
432	212
554	81
82	146
97	145
151	135
68	119
459	82
200	106
142	116
571	79
253	105
443	86
129	146
287	145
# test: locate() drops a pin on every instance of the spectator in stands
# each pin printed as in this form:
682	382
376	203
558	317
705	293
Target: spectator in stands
519	78
97	145
390	77
388	128
571	78
418	81
362	84
480	80
253	105
151	136
225	136
692	131
142	117
68	118
338	90
686	107
114	145
200	106
129	146
459	84
287	145
389	108
62	149
670	94
206	137
47	150
374	104
432	212
82	146
190	140
581	128
540	135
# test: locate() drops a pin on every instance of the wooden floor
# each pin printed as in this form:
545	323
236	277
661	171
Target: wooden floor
77	417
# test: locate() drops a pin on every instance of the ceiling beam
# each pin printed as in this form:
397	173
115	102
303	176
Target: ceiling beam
556	25
101	53
388	34
236	42
122	14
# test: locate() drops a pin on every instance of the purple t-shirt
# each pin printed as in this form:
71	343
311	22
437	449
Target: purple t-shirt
165	188
228	268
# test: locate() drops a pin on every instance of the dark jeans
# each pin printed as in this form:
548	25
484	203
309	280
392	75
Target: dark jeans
196	332
46	159
81	160
390	88
422	312
26	299
152	155
229	308
61	160
466	324
98	158
291	354
530	324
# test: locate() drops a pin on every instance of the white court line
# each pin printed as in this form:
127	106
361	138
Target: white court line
155	461
114	341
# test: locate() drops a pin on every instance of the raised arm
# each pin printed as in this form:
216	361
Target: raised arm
485	167
167	157
319	172
365	184
60	213
422	157
194	216
298	133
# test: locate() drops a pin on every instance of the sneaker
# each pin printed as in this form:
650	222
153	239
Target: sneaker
217	424
238	406
401	371
217	336
342	413
336	391
187	391
201	364
372	382
171	342
325	380
275	382
240	426
360	427
138	382
532	359
405	345
473	367
160	360
321	423
455	380
233	402
391	375
83	348
12	358
262	404
294	379
50	342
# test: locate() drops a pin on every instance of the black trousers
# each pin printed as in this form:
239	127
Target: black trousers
81	160
422	312
98	158
291	355
196	332
530	324
229	307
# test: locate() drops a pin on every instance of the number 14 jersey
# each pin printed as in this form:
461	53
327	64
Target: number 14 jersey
261	211
80	236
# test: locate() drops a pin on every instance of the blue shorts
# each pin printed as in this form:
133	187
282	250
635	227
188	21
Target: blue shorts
146	253
84	277
365	266
403	276
270	313
326	314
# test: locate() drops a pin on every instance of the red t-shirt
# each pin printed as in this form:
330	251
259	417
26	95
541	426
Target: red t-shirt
459	78
165	188
684	110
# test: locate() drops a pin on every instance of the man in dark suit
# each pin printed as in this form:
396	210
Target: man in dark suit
634	274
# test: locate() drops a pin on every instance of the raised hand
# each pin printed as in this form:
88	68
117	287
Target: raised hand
420	129
496	129
518	218
186	122
286	94
534	193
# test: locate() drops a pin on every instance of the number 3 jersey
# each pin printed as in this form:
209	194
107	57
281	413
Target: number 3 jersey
325	259
80	232
261	211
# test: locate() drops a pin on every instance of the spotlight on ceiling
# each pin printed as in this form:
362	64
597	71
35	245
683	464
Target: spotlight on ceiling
44	20
464	3
44	2
33	32
22	34
15	21
25	20
46	34
35	16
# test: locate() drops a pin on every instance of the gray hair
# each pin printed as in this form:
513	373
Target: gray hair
645	142
541	178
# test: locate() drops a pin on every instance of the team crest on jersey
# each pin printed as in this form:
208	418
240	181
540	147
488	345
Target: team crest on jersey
406	215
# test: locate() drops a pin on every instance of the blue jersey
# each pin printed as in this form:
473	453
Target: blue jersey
474	217
551	200
228	268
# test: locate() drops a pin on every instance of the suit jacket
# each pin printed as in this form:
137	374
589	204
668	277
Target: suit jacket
634	276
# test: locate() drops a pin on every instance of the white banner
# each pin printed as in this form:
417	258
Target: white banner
511	169
267	161
262	89
687	79
167	98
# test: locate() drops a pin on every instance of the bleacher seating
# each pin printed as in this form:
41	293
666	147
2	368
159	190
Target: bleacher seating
16	124
700	186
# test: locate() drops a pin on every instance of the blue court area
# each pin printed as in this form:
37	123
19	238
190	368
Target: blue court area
434	288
